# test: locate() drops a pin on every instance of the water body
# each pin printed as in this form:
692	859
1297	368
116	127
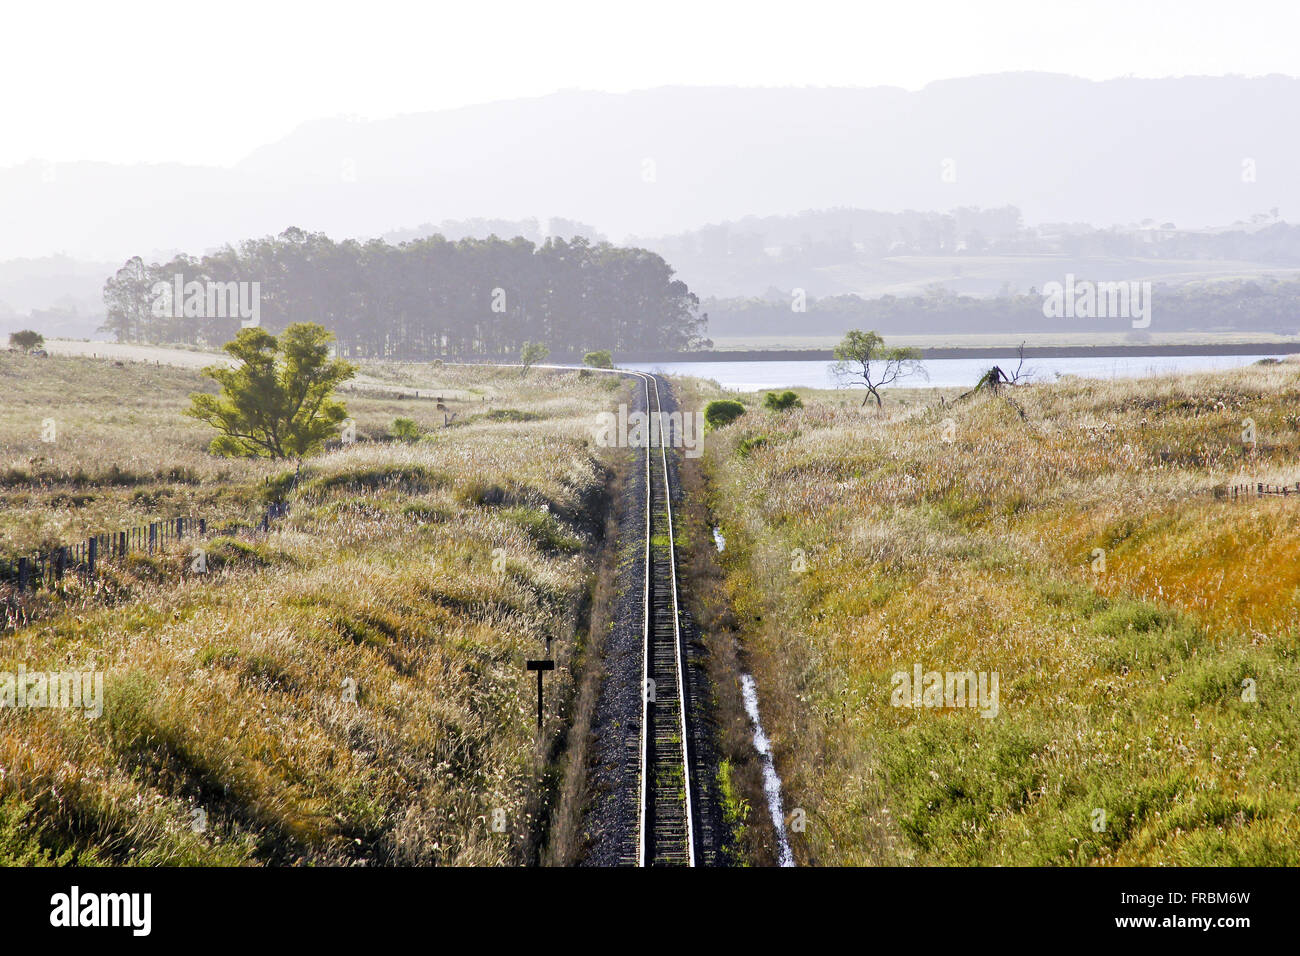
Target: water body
947	373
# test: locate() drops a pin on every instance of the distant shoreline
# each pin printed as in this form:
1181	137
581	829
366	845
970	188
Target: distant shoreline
1006	352
198	359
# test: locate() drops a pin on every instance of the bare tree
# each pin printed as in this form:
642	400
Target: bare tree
862	359
1021	371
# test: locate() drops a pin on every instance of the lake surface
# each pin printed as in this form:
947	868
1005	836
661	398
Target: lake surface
946	373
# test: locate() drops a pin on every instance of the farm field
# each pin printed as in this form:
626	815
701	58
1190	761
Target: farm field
985	274
1064	539
346	688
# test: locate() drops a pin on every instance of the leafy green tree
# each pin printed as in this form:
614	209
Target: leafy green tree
862	359
531	354
782	402
724	411
278	401
26	339
598	359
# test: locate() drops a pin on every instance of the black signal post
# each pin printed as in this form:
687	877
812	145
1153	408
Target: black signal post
539	666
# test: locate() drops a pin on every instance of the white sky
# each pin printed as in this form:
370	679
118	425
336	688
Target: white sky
206	83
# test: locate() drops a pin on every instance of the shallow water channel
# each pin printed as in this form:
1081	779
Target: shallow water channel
771	780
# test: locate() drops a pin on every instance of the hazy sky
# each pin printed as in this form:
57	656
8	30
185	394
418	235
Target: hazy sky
206	83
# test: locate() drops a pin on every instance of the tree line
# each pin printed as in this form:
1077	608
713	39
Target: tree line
1248	305
426	299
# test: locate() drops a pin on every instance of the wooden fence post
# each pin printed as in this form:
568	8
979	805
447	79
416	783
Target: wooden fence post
92	552
153	535
203	526
23	571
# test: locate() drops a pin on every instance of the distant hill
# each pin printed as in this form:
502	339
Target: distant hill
1195	151
56	295
970	251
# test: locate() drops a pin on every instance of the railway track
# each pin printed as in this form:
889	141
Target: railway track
670	829
666	824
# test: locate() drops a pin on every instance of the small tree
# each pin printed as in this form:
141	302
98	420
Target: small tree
598	359
722	412
862	359
26	340
531	354
782	402
278	401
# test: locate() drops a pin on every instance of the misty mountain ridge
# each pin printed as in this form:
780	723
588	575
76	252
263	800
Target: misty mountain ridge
1191	150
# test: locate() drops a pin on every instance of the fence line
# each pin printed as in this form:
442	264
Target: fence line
1260	489
84	557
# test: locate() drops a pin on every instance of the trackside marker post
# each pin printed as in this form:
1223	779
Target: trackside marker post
539	666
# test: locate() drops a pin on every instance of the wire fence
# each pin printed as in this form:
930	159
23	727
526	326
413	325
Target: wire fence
1261	490
49	567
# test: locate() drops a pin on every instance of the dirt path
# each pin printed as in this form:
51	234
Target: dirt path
126	352
197	359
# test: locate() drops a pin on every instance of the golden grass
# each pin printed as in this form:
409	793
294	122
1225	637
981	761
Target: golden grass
1121	690
348	689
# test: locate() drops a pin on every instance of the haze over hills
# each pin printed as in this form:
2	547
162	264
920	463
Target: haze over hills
668	160
980	252
745	192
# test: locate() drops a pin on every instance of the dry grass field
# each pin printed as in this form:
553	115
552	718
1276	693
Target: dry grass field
1066	538
349	687
346	689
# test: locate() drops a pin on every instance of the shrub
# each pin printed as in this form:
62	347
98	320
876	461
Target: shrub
783	402
542	527
277	487
411	479
405	429
511	415
531	354
479	491
598	359
722	412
